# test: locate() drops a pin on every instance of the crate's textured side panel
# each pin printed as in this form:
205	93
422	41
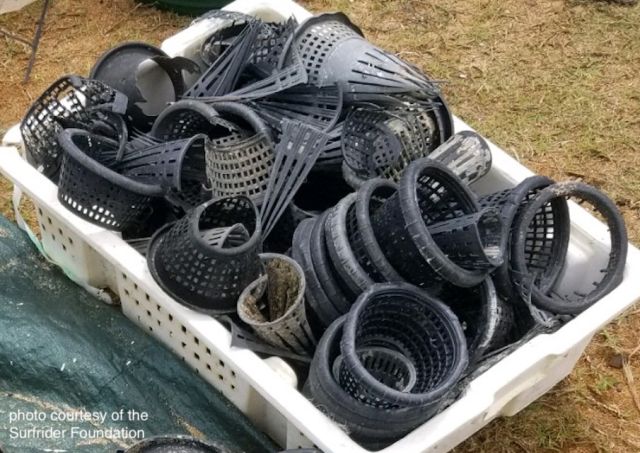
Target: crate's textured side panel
70	251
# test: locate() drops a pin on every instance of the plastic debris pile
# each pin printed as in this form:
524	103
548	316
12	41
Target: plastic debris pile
308	188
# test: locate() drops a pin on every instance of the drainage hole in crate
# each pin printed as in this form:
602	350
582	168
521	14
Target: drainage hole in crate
221	377
137	301
208	367
44	228
184	345
170	317
49	220
196	340
124	276
184	329
148	313
221	363
197	357
208	351
147	296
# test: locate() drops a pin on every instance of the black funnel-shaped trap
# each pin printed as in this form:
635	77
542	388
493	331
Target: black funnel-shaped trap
70	102
334	52
92	190
207	258
428	194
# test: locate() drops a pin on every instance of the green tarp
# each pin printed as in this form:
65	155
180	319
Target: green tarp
75	368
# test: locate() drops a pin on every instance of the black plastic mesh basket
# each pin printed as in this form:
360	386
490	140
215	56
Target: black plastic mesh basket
405	319
321	310
240	163
473	241
270	44
186	118
371	426
70	102
532	252
227	26
487	320
340	226
334	51
387	366
428	194
274	306
93	191
547	252
383	140
467	154
364	242
332	283
167	164
208	257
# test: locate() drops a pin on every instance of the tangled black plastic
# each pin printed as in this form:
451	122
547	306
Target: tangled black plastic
406	319
92	190
524	245
207	258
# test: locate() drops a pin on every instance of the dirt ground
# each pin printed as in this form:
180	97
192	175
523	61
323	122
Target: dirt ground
554	82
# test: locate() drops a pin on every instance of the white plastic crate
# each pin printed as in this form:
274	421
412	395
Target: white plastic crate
265	390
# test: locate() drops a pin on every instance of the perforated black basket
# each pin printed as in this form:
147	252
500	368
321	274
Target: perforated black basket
274	306
332	283
371	426
334	51
349	268
92	190
487	320
545	248
70	102
529	250
240	163
428	194
405	319
467	154
363	240
206	259
167	164
321	310
387	366
383	140
186	118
